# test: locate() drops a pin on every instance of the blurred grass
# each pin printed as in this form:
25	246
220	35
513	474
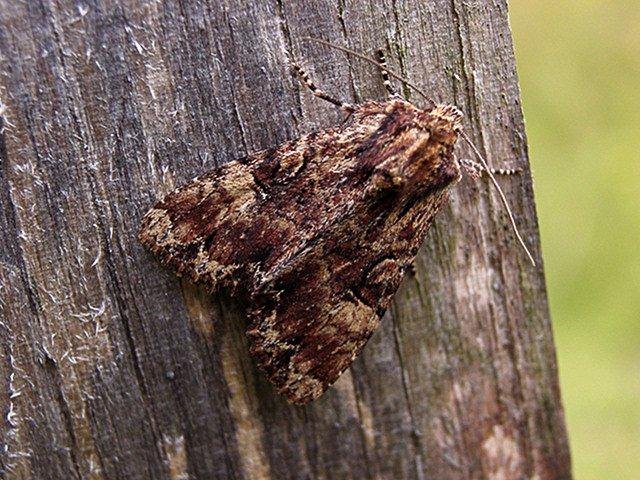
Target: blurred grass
579	66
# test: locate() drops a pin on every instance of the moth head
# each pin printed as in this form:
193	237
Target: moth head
430	160
445	118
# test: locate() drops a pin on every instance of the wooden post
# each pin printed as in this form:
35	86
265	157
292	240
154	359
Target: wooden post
111	367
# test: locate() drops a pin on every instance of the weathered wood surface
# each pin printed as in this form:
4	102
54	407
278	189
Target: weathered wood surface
113	368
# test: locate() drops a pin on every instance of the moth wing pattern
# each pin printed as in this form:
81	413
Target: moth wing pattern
225	227
185	226
314	235
314	316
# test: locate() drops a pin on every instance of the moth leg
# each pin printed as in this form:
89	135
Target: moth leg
382	60
475	169
347	107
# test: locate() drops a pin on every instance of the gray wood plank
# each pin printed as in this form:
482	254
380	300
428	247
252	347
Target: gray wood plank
114	368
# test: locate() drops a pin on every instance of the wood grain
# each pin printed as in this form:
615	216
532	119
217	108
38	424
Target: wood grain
111	367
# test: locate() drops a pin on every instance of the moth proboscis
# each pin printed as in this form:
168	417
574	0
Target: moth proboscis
314	235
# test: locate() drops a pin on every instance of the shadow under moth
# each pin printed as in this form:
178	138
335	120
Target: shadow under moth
314	235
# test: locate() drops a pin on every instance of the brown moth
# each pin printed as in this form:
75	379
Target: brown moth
314	235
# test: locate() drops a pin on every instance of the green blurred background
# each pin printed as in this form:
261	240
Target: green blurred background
579	66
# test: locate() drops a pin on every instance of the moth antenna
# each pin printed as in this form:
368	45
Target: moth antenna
374	62
304	76
471	168
475	169
500	192
382	60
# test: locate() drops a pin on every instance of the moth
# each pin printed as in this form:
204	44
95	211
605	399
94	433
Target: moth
315	235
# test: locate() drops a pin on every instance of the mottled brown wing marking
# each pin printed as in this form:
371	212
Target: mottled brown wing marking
249	215
181	228
314	234
315	316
